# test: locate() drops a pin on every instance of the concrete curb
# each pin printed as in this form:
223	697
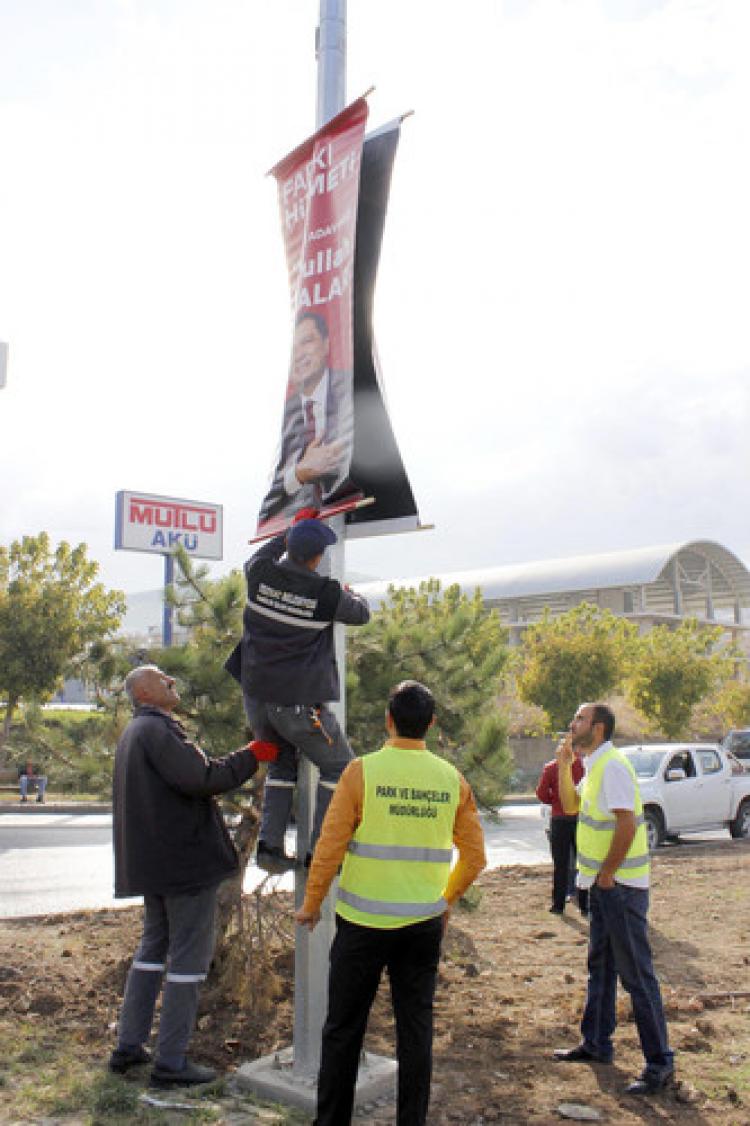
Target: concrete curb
83	808
32	807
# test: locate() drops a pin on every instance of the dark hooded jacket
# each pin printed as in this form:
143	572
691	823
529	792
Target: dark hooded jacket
169	835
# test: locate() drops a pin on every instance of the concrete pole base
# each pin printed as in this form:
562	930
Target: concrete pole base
273	1078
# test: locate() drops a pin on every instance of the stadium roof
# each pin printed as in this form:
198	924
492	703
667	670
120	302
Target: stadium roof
636	567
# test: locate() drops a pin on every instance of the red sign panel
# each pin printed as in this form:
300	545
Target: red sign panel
318	186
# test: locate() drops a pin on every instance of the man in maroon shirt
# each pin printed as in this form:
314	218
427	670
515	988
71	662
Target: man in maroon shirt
562	836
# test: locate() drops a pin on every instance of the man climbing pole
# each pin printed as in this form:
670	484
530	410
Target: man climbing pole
286	665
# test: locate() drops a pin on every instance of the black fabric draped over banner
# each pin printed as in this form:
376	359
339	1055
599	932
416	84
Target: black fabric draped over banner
376	466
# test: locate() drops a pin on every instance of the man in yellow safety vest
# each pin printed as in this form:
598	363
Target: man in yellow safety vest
393	820
613	861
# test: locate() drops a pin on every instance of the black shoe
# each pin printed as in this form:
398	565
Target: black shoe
189	1075
40	800
650	1082
273	859
122	1059
579	1054
556	910
24	799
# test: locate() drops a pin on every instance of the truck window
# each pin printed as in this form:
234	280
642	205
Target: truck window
710	762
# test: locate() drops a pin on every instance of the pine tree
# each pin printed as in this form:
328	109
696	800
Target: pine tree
452	643
212	707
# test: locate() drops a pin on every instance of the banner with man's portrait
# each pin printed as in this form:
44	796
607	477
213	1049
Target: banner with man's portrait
336	441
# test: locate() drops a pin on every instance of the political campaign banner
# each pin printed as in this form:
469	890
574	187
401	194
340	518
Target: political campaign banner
318	185
336	440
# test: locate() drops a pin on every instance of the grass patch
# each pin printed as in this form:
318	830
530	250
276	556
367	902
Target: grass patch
53	1076
44	1076
733	1078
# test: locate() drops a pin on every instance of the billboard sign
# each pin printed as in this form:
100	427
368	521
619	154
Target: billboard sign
159	525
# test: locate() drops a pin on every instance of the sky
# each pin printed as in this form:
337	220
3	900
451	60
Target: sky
562	303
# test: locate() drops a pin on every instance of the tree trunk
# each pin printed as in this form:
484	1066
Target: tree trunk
5	731
230	893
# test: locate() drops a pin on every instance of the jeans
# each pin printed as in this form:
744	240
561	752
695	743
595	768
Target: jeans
38	780
358	955
619	947
311	731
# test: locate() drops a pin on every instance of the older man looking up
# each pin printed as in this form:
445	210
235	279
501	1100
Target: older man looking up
171	847
613	861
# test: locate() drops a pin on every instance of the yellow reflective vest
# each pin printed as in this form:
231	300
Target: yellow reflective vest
399	858
595	828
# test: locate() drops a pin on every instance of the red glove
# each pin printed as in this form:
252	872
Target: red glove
263	751
306	514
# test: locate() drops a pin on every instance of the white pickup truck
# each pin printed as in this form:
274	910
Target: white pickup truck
689	787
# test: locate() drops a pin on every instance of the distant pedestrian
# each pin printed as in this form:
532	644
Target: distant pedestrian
562	837
613	861
171	847
393	821
29	776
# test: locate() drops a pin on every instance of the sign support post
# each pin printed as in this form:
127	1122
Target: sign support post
167	620
311	948
271	1077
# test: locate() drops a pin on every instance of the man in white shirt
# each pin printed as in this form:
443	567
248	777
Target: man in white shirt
317	430
613	862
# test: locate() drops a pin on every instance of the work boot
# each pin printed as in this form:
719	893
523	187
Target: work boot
273	859
579	1054
122	1059
189	1075
651	1080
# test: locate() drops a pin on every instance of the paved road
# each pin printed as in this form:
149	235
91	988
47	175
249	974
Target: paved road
63	862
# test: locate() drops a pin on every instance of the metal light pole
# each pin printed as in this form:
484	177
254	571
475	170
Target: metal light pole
290	1075
330	46
311	948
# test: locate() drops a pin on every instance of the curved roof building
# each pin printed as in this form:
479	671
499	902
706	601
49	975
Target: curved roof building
699	579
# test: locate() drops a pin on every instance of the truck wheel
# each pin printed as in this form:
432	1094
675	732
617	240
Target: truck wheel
740	827
654	828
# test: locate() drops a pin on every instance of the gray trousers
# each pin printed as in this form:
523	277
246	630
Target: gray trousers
177	944
297	729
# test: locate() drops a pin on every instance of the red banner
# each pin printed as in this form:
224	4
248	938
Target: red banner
318	186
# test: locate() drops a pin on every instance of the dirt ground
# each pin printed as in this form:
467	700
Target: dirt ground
511	989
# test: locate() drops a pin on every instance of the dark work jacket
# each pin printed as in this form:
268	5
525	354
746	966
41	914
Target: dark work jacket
286	655
169	835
